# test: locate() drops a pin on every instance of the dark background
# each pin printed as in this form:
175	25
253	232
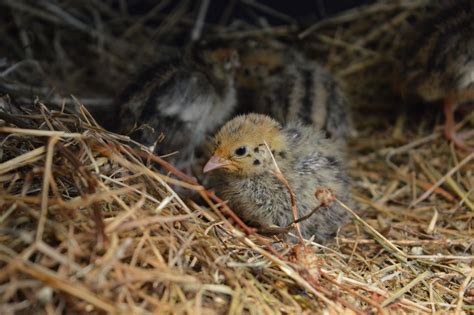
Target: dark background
303	11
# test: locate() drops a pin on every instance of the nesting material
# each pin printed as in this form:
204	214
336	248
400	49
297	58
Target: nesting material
89	224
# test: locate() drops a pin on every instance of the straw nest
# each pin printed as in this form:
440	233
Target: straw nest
89	224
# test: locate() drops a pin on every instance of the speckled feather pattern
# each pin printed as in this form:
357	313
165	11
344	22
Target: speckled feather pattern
307	160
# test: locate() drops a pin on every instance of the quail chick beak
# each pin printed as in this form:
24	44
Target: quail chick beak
215	162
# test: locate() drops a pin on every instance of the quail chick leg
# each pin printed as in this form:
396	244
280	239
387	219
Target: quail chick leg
450	126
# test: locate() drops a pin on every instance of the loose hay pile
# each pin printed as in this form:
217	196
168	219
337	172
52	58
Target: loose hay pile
87	225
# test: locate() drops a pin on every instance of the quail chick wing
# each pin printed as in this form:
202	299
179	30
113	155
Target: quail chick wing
243	173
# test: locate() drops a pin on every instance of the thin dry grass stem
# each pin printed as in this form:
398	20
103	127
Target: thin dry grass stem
282	179
45	189
197	30
405	289
44	133
354	293
462	291
378	237
427	193
55	281
269	10
360	13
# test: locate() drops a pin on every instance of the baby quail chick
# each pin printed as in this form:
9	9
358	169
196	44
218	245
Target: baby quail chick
442	68
179	102
243	173
282	83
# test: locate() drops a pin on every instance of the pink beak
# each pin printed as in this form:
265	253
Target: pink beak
214	163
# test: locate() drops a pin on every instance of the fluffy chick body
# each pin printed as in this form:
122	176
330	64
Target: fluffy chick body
307	160
179	102
442	65
280	82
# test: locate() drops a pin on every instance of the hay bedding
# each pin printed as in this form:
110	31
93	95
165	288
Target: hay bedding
86	225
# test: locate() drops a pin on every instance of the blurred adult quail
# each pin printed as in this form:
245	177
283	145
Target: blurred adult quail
173	105
280	82
440	62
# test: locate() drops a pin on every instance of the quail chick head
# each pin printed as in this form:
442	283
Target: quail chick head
176	103
442	66
280	82
243	173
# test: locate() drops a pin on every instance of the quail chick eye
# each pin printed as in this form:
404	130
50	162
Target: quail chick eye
240	151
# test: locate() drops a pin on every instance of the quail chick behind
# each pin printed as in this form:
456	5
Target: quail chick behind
280	82
243	173
442	65
178	102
